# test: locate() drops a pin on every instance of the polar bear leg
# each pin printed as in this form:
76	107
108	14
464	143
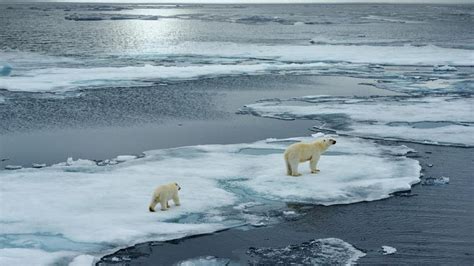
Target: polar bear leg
176	200
288	167
313	164
164	205
294	168
153	203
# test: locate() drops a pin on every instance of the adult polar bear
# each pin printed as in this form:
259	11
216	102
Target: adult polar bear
302	152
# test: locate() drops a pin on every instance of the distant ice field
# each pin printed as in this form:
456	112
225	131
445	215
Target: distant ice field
431	119
77	207
37	73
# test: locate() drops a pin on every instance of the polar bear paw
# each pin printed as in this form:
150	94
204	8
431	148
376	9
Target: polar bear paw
315	171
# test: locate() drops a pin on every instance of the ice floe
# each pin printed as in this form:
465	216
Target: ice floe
13	167
207	261
327	251
393	20
74	208
96	17
433	181
436	120
444	68
38	165
387	250
41	73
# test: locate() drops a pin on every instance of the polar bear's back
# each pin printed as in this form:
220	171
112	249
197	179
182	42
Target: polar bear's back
165	191
301	151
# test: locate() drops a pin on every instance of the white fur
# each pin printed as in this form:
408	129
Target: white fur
163	194
302	152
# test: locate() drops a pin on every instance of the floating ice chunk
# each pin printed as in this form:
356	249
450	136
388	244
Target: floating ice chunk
298	23
327	251
207	261
6	70
124	158
444	68
431	181
387	250
38	165
79	162
13	167
246	205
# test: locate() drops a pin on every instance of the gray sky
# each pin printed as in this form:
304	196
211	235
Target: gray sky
249	1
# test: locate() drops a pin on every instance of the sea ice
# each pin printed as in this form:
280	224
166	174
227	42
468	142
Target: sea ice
444	68
38	165
427	119
432	181
13	167
327	251
39	73
207	261
123	158
387	250
91	209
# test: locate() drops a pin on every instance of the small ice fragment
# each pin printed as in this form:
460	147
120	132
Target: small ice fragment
38	165
270	140
101	163
430	165
69	161
113	162
13	167
387	250
444	68
258	224
432	181
6	70
124	158
298	23
289	213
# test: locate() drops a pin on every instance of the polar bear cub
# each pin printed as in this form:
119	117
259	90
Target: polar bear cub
163	194
302	152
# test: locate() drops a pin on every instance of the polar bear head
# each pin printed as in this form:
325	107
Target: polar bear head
324	143
177	186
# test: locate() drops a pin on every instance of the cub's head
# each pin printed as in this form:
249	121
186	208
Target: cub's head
329	141
177	186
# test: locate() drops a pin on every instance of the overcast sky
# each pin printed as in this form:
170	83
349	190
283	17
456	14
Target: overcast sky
248	1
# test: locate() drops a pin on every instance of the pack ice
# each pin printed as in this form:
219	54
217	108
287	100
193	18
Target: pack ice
74	210
444	120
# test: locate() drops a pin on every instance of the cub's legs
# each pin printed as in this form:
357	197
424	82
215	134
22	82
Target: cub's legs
176	200
153	203
164	204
